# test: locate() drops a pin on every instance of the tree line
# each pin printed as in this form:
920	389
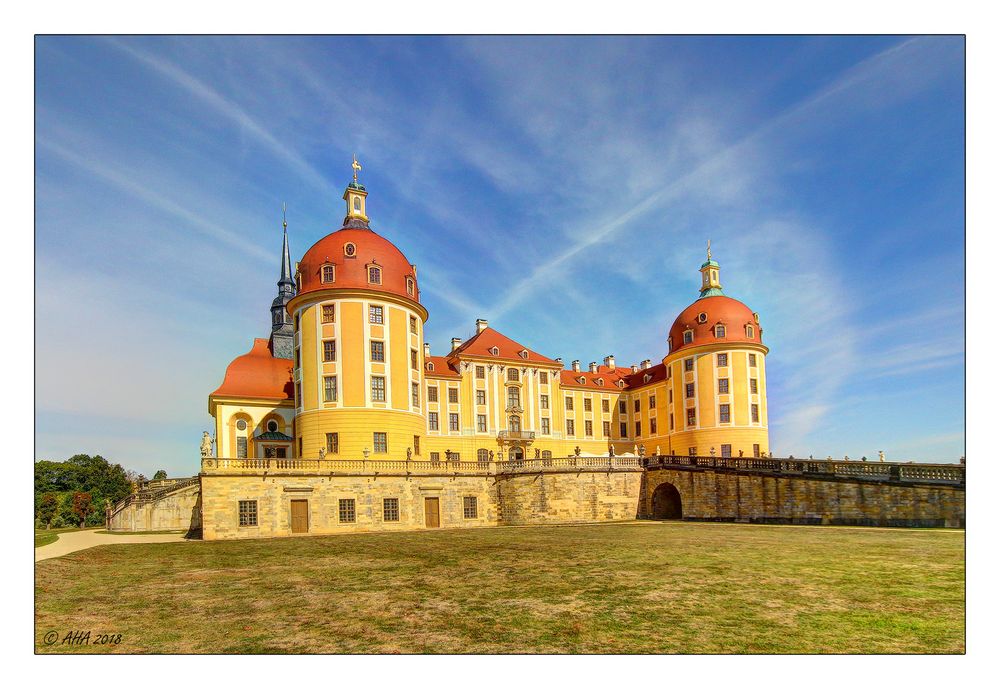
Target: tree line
74	492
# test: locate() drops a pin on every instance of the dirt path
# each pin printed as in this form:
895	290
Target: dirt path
70	542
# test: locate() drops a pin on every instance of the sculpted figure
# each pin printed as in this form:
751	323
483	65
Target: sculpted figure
657	450
409	454
322	453
881	456
206	444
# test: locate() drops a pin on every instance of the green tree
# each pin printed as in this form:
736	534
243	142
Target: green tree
161	473
47	508
83	507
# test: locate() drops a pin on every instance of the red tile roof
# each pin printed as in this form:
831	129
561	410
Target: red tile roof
441	367
258	374
481	343
607	378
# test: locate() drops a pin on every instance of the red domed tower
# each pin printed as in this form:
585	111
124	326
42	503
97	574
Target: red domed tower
715	361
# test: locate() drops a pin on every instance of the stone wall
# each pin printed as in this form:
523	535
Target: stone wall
568	496
177	511
725	496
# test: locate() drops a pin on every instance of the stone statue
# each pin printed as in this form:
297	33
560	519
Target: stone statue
206	444
538	453
636	449
642	450
846	458
657	450
961	460
409	454
322	453
711	450
491	455
611	451
881	456
741	453
576	450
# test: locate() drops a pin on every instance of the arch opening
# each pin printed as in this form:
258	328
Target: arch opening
667	502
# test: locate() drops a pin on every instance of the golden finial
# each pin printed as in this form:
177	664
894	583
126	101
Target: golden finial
284	223
357	166
709	249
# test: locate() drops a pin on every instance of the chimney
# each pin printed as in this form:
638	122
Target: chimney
455	341
646	364
576	365
559	359
593	367
427	349
481	325
609	361
635	368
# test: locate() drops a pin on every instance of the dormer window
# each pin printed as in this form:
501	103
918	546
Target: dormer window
350	250
750	331
621	383
523	354
326	273
720	330
702	317
581	380
430	366
374	274
670	344
409	286
646	378
495	351
688	336
600	381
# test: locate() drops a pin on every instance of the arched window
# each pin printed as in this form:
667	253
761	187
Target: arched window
272	426
483	455
409	286
670	344
512	374
523	353
327	274
750	331
357	203
720	330
495	351
688	336
430	365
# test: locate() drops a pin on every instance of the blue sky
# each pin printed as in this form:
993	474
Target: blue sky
563	188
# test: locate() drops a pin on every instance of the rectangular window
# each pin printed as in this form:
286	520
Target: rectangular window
543	378
722	359
723	413
638	428
570	428
652	401
435	456
416	444
587	404
329	388
470	507
298	395
588	428
671	422
432	420
380	441
692	451
480	397
545	427
754	413
756	450
481	372
481	423
688	336
413	325
689	364
413	360
333	443
453	395
569	404
636	406
670	396
727	450
248	513
544	401
753	386
327	274
329	350
621	407
300	446
376	315
652	426
689	390
378	350
328	313
415	394
723	386
374	275
390	509
298	357
607	429
605	406
241	447
452	422
623	429
346	510
378	388
432	393
753	360
690	417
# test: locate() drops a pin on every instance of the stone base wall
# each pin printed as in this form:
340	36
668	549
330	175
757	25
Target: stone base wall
179	511
564	497
222	494
718	496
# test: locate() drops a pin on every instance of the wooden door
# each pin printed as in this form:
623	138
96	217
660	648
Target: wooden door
300	516
432	513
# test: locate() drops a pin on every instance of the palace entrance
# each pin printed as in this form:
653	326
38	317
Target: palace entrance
432	513
516	453
666	502
300	516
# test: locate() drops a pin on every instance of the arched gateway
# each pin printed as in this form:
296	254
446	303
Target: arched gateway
666	502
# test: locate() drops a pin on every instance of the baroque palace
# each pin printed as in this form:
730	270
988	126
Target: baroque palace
343	420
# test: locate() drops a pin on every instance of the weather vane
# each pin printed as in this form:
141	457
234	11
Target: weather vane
709	248
357	166
284	223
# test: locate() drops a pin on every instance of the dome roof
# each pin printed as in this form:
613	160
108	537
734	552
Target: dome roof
258	374
351	251
732	313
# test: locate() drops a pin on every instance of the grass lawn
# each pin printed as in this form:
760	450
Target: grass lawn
46	536
648	587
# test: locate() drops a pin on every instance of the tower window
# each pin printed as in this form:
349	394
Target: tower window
357	203
378	388
702	317
374	275
413	325
688	336
409	286
413	359
722	359
690	417
350	250
329	350
755	413
750	331
333	443
327	274
723	386
727	450
415	394
689	390
753	386
380	441
376	315
432	421
378	350
328	313
723	413
753	360
720	331
330	388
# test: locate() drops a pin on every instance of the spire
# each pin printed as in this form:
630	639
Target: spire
282	330
355	195
710	285
286	261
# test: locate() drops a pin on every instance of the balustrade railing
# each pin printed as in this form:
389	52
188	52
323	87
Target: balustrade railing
516	435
